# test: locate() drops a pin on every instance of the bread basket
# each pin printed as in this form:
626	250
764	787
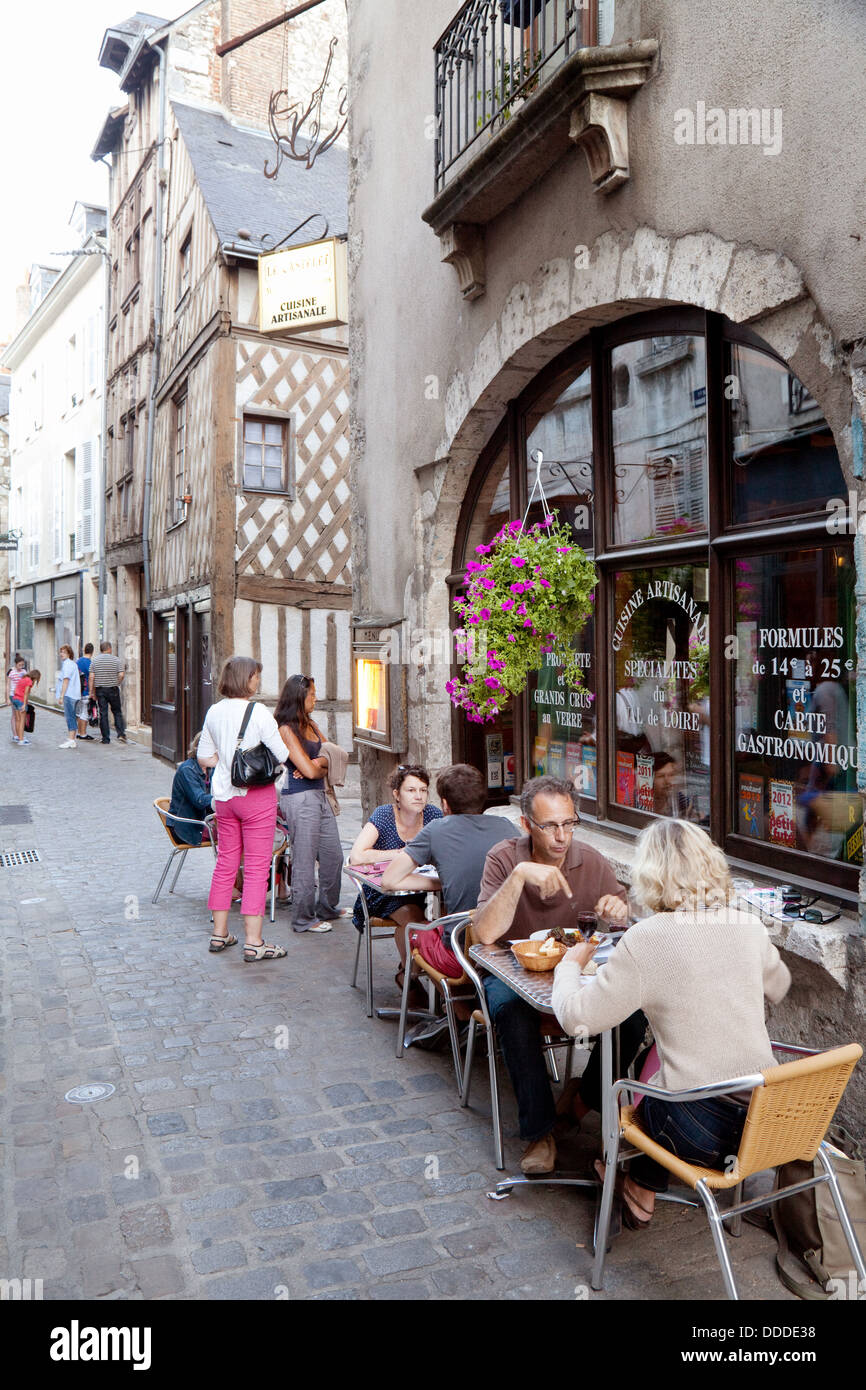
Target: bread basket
529	955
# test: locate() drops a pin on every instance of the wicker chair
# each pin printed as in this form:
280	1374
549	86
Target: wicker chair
179	848
375	929
789	1114
446	986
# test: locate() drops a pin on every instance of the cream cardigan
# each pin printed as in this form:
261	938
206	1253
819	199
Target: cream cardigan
700	978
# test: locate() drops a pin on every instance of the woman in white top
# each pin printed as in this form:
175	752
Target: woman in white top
69	693
700	970
246	817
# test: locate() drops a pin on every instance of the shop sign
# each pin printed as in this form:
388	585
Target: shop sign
304	287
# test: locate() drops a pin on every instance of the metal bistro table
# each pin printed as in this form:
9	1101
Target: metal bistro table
536	988
361	879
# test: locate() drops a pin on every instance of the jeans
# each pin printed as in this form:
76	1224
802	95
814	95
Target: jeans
312	829
245	825
707	1132
69	711
631	1035
518	1030
109	695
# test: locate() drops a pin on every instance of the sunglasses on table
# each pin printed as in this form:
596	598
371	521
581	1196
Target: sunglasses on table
794	906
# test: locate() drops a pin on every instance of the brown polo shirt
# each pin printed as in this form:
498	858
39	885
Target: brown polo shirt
587	872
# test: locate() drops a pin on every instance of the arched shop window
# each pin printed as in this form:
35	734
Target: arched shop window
719	664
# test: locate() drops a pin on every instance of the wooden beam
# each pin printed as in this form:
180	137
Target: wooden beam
298	593
223	48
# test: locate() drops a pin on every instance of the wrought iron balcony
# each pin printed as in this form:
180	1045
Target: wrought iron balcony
493	55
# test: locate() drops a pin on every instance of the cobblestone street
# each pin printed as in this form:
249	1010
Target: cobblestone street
225	1166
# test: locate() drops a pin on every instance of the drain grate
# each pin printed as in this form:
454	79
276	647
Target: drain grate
94	1090
15	858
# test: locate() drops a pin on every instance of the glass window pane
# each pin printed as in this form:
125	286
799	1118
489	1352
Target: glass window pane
273	434
169	661
795	757
252	429
562	431
662	691
562	721
273	457
274	479
253	474
659	424
784	456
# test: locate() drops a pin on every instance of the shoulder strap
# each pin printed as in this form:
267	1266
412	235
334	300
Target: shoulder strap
244	722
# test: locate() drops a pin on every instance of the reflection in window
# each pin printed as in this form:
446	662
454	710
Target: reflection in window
169	661
563	720
659	438
796	781
785	460
660	642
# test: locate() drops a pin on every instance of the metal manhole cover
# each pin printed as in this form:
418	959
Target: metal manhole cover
15	815
95	1090
15	858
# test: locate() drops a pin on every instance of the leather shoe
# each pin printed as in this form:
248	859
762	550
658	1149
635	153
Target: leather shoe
540	1156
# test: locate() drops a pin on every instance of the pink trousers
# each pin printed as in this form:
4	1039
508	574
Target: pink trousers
245	825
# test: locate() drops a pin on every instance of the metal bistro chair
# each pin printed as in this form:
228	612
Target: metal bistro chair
789	1114
444	985
460	942
179	848
368	935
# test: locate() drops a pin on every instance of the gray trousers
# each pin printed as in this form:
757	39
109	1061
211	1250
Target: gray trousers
312	829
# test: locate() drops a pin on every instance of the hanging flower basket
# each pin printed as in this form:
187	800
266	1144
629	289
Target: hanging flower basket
528	594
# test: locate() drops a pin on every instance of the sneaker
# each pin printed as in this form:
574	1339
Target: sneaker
320	926
70	743
85	736
25	739
15	738
121	738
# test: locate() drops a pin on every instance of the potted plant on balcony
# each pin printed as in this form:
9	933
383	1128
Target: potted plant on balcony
527	595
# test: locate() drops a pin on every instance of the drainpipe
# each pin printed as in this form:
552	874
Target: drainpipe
100	599
157	344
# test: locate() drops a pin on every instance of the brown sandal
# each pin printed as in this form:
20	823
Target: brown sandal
263	951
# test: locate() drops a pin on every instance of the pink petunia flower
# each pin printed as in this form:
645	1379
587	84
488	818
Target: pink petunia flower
521	611
517	588
517	561
511	637
482	549
506	604
484	614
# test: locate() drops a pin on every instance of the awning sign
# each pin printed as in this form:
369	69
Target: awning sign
303	287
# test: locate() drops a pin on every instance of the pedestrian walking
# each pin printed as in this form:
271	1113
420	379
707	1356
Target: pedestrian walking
68	693
20	699
246	817
17	668
84	663
311	824
106	678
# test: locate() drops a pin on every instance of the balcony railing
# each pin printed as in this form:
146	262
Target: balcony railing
493	55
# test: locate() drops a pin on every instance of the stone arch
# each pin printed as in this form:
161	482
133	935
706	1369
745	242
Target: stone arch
620	274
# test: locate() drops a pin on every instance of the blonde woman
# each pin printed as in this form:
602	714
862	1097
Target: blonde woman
699	970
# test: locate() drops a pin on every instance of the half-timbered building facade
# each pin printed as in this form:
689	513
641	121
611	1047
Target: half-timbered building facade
241	486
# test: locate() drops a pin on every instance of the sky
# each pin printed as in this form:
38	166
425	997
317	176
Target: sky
53	100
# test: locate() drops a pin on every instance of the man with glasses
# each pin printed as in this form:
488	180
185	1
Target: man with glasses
543	879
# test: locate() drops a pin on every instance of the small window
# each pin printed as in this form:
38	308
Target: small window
177	505
185	259
168	661
265	454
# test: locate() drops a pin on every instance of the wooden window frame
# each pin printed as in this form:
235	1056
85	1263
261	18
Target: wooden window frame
719	547
268	417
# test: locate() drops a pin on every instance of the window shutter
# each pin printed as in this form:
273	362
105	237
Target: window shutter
606	20
58	515
79	501
87	496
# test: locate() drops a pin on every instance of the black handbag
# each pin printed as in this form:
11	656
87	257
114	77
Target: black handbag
253	767
29	719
